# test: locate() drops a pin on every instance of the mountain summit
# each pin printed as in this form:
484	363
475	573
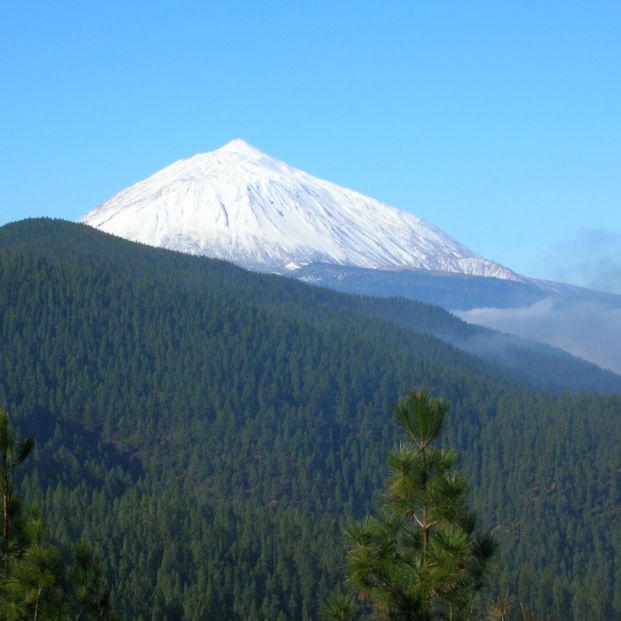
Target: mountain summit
239	204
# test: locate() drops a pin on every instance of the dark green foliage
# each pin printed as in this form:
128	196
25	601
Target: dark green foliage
86	587
34	582
12	454
420	557
32	587
207	430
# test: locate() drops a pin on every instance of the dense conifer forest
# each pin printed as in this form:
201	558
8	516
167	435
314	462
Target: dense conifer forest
209	431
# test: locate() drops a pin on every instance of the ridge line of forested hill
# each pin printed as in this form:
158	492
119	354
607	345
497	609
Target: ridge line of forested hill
210	444
515	358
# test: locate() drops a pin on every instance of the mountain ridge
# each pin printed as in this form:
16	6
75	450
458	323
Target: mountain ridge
517	359
241	205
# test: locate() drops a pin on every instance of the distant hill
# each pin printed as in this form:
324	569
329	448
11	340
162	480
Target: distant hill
209	428
582	321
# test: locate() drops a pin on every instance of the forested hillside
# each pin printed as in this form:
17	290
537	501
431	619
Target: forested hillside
208	429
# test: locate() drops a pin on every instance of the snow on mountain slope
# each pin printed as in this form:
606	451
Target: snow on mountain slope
241	205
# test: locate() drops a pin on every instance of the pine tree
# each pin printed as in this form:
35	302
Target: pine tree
34	584
12	454
420	557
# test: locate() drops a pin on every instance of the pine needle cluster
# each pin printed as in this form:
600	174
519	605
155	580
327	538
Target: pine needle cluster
421	557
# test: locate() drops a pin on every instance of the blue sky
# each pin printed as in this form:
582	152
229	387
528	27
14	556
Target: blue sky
500	122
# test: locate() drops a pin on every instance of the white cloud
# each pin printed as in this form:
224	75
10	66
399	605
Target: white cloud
588	329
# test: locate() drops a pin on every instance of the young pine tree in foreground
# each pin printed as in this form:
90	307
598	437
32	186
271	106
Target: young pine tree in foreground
420	557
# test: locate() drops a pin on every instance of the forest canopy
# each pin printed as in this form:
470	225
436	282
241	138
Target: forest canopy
208	431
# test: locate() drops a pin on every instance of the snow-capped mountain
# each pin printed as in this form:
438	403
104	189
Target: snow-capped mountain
239	204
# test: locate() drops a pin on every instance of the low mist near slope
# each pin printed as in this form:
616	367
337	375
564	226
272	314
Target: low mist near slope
583	322
587	329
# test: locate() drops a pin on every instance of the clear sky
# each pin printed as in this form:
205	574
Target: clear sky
499	122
